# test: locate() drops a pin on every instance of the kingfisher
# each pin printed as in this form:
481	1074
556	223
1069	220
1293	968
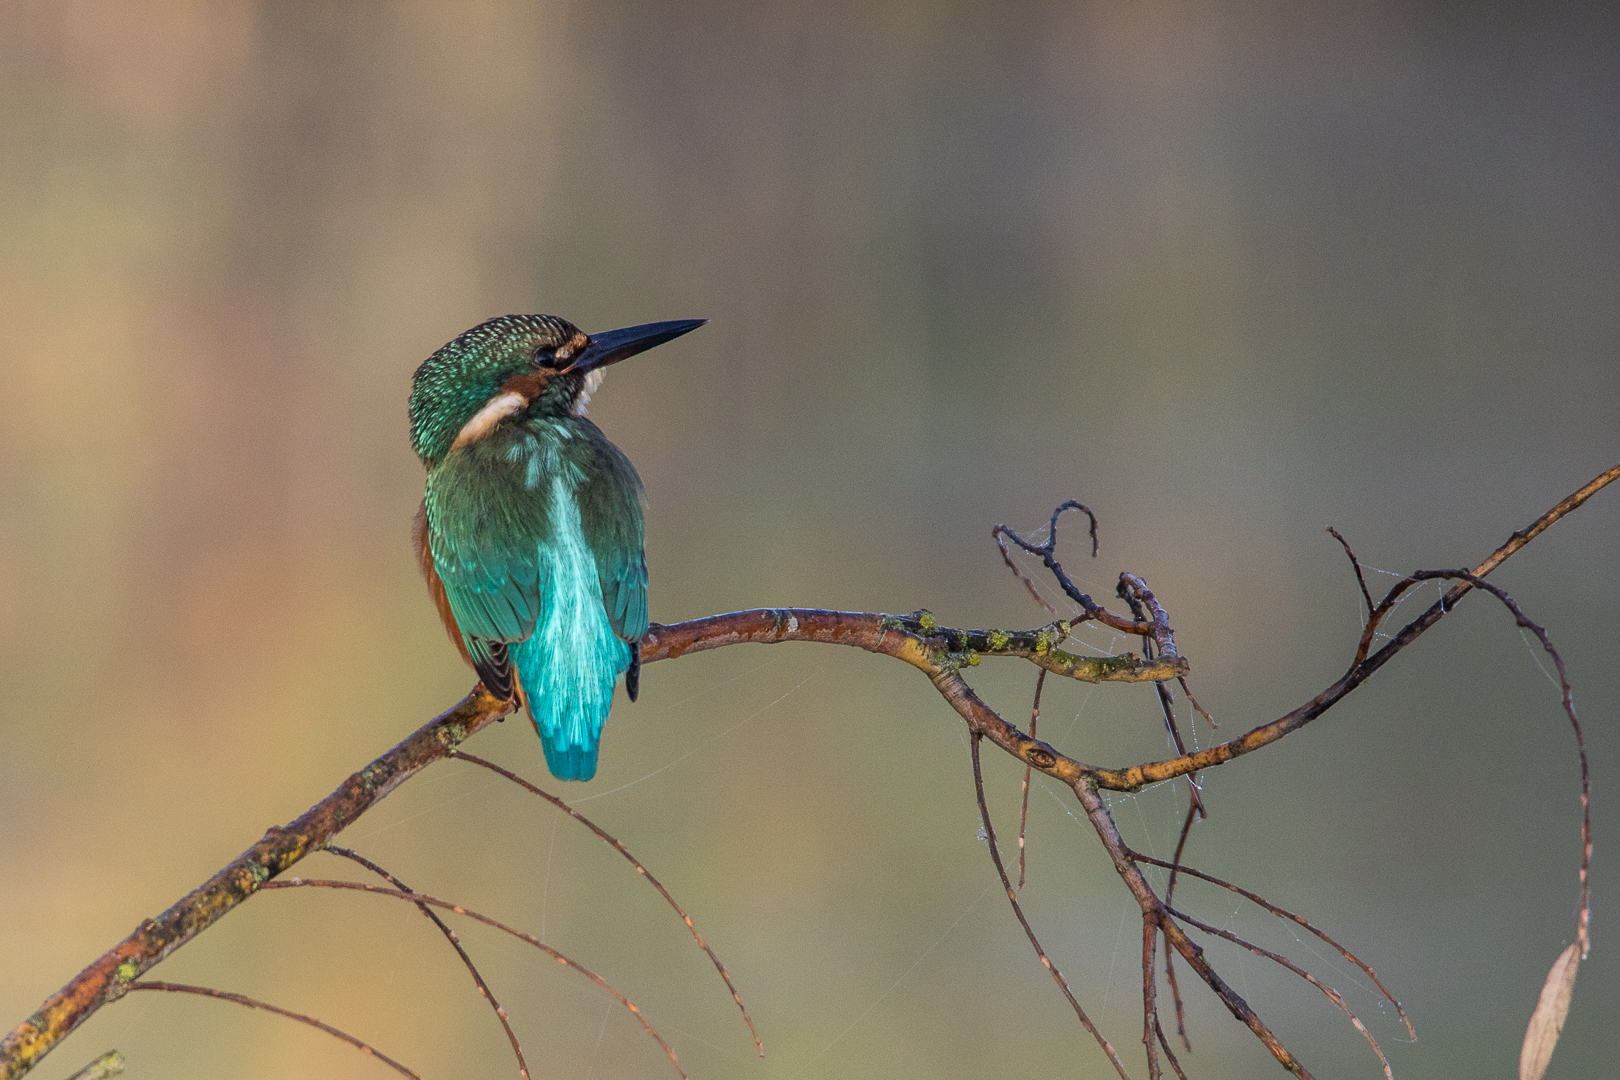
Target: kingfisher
530	533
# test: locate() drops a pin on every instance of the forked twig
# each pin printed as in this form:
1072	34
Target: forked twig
1047	553
1012	898
1284	913
1331	994
1567	699
1135	777
1150	933
424	898
936	651
1355	564
1146	607
255	1003
618	845
455	942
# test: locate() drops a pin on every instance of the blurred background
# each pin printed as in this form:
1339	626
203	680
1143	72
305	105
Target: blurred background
1227	274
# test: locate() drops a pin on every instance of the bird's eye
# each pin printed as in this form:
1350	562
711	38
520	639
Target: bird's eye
545	357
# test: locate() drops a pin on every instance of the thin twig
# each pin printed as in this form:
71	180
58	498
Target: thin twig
1567	699
1012	898
1023	813
1048	556
1119	854
254	1003
618	845
1169	954
1207	718
1363	667
1355	564
1134	591
106	977
455	942
424	898
1284	913
1006	556
105	1067
1150	998
1331	994
1164	1043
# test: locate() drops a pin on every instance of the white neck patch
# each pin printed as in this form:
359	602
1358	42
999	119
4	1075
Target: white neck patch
495	410
593	382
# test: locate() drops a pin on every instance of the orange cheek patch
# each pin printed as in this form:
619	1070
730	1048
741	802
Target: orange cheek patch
527	385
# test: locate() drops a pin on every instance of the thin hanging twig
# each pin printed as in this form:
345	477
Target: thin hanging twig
1150	995
999	532
424	898
936	651
618	845
1169	954
1284	913
1012	898
1023	813
1134	591
455	942
255	1003
1210	720
1567	699
1331	994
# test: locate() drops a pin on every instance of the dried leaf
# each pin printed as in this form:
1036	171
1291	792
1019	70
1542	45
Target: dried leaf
1548	1019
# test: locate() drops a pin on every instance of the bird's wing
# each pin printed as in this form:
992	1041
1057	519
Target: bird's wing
624	591
610	516
482	534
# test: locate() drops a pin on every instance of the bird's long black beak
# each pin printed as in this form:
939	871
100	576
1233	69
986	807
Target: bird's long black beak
611	346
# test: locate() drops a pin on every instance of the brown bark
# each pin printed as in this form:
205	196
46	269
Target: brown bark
940	652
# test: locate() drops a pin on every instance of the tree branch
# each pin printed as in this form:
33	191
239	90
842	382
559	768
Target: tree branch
108	978
918	639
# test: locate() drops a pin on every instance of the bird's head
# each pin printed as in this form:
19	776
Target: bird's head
515	366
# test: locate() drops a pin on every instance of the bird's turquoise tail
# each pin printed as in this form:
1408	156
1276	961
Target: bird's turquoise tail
569	692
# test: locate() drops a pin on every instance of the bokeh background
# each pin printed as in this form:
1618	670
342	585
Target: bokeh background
1229	274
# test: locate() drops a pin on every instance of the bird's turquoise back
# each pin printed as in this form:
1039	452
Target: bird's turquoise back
537	535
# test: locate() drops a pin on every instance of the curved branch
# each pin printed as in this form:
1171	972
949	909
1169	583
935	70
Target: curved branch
1012	897
419	898
455	943
255	1003
110	976
1139	776
917	639
618	845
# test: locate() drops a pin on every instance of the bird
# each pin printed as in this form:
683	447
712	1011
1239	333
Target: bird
531	532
